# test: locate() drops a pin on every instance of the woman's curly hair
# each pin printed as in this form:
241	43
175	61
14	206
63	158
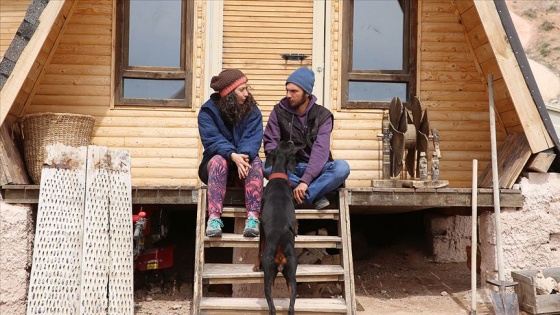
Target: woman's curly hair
232	112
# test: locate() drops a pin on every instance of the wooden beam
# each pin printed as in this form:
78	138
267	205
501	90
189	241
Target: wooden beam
12	167
398	199
29	60
532	124
512	158
540	162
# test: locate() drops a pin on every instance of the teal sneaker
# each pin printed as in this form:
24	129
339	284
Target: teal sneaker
251	228
214	227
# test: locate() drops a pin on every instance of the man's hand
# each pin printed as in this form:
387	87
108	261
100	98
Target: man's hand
299	192
242	162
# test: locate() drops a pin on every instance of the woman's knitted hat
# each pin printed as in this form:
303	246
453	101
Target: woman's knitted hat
304	78
227	81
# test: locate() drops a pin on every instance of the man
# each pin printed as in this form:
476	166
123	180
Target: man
298	118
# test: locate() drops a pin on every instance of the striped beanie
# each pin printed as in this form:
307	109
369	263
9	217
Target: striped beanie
227	81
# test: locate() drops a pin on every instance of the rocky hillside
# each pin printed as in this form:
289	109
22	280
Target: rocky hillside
538	26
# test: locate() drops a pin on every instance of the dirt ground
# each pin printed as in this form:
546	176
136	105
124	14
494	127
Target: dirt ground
399	279
393	272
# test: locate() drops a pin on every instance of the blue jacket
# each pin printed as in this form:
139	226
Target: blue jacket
216	138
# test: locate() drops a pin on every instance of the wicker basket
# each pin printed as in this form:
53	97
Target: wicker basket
40	130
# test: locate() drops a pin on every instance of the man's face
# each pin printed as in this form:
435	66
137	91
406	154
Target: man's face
295	95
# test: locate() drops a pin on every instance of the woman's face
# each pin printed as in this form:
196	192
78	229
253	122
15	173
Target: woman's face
241	93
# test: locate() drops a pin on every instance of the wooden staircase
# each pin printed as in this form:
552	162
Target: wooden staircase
234	273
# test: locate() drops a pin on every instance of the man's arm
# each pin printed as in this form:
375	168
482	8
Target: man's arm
271	137
319	152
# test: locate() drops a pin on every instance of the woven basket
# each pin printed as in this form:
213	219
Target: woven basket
40	130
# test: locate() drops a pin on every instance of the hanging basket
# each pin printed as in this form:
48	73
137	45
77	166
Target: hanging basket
40	130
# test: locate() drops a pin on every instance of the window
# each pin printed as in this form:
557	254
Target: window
154	52
379	52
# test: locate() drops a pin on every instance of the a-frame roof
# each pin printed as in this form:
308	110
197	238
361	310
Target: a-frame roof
39	34
30	52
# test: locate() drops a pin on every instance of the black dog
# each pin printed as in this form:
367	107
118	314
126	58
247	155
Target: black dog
278	225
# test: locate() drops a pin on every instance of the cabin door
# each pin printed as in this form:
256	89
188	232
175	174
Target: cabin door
267	40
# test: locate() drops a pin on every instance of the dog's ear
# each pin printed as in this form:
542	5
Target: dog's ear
292	163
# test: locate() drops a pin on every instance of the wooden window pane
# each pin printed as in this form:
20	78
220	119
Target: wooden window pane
160	89
154	43
379	50
377	91
378	35
155	33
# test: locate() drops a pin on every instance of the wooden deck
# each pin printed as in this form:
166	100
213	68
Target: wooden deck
361	200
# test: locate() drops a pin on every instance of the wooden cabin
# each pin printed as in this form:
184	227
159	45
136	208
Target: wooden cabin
75	62
144	83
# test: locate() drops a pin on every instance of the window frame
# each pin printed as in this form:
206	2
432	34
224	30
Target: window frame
407	75
184	72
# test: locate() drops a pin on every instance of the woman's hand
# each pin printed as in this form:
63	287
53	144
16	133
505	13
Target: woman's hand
242	162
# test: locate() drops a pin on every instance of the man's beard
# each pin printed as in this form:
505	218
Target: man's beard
298	104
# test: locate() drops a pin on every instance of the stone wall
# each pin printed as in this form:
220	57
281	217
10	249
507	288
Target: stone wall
16	252
531	235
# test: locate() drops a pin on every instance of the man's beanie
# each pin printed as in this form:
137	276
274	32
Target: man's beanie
304	78
227	81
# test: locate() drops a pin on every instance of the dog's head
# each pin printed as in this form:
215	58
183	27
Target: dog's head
282	158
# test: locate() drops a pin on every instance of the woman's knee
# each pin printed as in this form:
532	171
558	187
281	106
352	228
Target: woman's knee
217	160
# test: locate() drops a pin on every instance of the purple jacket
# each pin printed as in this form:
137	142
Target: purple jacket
317	153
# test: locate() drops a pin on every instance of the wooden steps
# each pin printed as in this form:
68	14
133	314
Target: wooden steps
212	273
302	241
245	306
243	273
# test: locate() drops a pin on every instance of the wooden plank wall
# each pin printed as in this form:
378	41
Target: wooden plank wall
255	43
163	143
450	86
11	16
453	89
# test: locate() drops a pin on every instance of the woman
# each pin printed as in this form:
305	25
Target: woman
231	129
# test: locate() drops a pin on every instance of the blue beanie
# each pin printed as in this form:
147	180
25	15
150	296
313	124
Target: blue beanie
304	78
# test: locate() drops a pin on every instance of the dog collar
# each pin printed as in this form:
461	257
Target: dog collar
278	175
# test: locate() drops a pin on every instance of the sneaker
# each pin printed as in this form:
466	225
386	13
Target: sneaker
214	227
321	203
251	228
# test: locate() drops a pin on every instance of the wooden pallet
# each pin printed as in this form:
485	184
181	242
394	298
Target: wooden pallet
229	273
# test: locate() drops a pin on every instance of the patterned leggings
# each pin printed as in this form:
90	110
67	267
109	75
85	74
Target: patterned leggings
219	176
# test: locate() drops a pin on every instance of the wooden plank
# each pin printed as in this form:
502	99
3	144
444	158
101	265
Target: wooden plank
346	251
469	16
540	162
236	306
199	249
243	273
358	196
512	158
463	5
12	166
302	241
535	130
11	16
430	198
241	212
